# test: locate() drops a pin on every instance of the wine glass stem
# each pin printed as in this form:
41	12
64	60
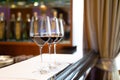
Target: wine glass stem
55	48
55	53
50	51
41	53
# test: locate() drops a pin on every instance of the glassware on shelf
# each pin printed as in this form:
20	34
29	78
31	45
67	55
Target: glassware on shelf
27	27
19	27
12	28
2	27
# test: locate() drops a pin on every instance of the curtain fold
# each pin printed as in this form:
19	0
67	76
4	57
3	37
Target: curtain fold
102	33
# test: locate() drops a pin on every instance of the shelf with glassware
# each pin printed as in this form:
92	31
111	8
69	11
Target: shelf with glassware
14	31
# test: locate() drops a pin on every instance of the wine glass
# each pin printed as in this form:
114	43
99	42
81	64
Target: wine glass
60	36
53	36
39	32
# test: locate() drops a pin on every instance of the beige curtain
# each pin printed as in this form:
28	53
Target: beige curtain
102	33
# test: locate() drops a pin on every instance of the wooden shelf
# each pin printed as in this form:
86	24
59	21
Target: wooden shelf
30	43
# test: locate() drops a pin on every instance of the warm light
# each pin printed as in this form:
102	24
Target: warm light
13	6
36	3
21	3
43	7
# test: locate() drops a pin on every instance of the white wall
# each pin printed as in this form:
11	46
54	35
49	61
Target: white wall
78	24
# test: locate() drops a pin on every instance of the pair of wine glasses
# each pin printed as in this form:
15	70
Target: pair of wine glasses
46	30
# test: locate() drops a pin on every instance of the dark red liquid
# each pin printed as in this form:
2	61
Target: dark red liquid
52	39
55	39
45	38
40	40
58	39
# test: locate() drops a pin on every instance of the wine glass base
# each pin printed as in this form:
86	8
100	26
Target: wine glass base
53	66
43	68
42	71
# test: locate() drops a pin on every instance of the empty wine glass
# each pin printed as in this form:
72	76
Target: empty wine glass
40	32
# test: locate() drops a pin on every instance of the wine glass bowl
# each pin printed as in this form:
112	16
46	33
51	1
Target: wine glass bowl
61	31
41	31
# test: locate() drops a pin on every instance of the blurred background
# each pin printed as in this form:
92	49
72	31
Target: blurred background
14	11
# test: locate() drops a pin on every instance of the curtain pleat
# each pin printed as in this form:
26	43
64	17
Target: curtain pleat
114	19
100	22
117	34
102	34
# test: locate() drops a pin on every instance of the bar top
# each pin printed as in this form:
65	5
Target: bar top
28	69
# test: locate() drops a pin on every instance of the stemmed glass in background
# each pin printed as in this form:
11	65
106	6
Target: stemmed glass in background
59	36
57	33
53	36
40	32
